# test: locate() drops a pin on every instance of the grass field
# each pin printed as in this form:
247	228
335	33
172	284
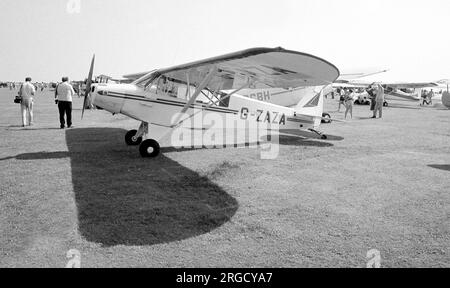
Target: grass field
377	184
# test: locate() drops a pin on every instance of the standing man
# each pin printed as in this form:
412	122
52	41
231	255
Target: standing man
372	96
27	92
430	97
63	94
379	99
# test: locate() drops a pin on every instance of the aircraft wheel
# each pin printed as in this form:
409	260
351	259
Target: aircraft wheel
385	104
326	115
324	137
149	148
129	138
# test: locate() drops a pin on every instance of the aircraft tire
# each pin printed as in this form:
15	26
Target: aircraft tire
324	137
385	104
145	150
129	138
326	115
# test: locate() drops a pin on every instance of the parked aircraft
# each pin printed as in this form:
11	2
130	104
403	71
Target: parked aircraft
167	99
409	91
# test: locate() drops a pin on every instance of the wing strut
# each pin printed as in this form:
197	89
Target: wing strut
209	105
197	92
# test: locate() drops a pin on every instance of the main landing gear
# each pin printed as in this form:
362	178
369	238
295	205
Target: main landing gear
148	148
131	139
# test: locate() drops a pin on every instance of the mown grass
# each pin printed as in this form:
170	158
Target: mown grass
376	184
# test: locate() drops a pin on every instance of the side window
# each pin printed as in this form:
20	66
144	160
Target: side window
163	86
224	100
151	88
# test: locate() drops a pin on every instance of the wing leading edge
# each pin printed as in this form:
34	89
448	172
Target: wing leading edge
260	67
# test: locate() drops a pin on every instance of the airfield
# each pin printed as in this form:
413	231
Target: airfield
374	184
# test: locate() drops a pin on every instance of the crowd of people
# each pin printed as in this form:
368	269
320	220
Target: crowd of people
347	97
427	98
38	86
63	98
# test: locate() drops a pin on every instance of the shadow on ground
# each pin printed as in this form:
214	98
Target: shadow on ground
39	156
441	167
123	199
396	106
289	135
297	141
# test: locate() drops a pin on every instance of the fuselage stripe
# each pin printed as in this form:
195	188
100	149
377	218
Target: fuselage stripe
166	102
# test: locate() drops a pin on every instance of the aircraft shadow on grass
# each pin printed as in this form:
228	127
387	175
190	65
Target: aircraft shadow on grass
440	167
123	199
396	106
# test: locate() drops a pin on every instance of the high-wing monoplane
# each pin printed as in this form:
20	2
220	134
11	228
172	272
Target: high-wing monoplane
409	91
166	99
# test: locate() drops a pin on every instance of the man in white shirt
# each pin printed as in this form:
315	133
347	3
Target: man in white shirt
27	92
64	93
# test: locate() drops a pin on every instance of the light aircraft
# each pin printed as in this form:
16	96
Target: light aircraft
166	99
409	91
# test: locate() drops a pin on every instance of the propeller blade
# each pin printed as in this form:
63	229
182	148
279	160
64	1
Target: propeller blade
88	85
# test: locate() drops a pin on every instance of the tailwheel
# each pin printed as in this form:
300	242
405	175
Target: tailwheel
322	136
328	118
149	148
131	139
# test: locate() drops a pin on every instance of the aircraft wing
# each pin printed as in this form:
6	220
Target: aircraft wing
259	67
411	85
348	76
395	85
136	76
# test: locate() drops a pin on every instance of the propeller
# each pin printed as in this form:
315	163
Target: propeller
88	85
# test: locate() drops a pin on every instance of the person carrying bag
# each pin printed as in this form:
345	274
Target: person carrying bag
18	98
27	92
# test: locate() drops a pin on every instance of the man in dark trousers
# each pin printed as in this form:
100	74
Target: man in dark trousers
372	96
63	94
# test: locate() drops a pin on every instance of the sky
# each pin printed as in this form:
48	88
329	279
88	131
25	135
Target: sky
48	39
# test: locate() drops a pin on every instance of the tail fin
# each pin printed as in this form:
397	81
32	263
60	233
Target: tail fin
312	106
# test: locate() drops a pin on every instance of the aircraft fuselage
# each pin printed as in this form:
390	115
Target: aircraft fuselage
160	109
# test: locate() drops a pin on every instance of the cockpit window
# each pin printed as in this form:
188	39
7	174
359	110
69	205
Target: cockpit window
162	85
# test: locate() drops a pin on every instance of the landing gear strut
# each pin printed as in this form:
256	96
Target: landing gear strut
322	136
134	137
149	148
